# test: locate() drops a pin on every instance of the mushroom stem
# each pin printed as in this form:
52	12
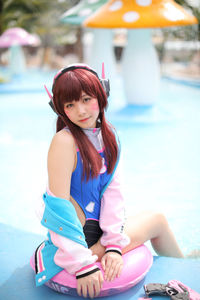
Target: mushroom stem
101	50
17	60
140	68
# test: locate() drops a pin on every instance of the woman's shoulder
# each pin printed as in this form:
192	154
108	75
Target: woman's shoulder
63	139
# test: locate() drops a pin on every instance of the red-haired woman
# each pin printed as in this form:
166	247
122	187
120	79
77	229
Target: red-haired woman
87	223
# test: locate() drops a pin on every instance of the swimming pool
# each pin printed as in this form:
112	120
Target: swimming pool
160	147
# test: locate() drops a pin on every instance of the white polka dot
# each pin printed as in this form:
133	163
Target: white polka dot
43	277
22	34
144	2
116	5
40	280
131	16
172	13
85	12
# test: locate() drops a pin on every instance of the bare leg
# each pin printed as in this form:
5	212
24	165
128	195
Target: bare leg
154	227
98	250
144	227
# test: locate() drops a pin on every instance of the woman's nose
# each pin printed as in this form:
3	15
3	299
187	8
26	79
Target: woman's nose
80	108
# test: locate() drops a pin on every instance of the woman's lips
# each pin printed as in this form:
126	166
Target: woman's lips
84	120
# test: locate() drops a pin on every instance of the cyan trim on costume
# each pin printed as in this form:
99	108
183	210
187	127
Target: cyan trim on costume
49	268
60	216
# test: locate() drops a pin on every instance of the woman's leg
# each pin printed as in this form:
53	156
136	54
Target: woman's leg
98	249
154	227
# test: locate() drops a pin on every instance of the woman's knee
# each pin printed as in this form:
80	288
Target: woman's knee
160	221
145	226
154	225
160	217
154	218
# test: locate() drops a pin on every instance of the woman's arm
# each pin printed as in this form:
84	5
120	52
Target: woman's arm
112	218
78	260
70	255
61	162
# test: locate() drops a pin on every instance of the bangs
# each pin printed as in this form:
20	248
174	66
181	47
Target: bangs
71	84
68	88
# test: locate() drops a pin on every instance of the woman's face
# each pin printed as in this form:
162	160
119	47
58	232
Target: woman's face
84	113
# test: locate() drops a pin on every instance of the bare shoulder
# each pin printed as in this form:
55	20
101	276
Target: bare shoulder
60	163
63	139
62	142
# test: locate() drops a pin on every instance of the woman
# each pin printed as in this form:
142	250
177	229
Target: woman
84	183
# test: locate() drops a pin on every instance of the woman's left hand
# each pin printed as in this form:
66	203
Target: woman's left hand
112	264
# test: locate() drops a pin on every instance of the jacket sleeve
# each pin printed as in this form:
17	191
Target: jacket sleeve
112	216
71	256
67	235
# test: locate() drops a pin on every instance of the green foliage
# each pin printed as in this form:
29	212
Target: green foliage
195	10
36	16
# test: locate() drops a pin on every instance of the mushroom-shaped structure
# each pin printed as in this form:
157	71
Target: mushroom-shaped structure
14	38
100	48
140	14
18	36
140	65
77	14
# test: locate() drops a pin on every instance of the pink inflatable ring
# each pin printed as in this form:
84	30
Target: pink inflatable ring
137	263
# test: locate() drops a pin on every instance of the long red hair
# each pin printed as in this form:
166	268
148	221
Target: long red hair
67	88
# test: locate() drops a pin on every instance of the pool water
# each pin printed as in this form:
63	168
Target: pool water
160	156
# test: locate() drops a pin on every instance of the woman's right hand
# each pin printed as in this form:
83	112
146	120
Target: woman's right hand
90	285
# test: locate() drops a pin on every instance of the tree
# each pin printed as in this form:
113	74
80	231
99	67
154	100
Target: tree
41	17
195	10
36	16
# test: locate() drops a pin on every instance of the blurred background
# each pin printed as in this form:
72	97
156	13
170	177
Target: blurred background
62	43
154	69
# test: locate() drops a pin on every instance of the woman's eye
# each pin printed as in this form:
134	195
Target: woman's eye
86	99
69	105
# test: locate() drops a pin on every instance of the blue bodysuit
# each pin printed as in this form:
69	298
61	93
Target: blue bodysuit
88	194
